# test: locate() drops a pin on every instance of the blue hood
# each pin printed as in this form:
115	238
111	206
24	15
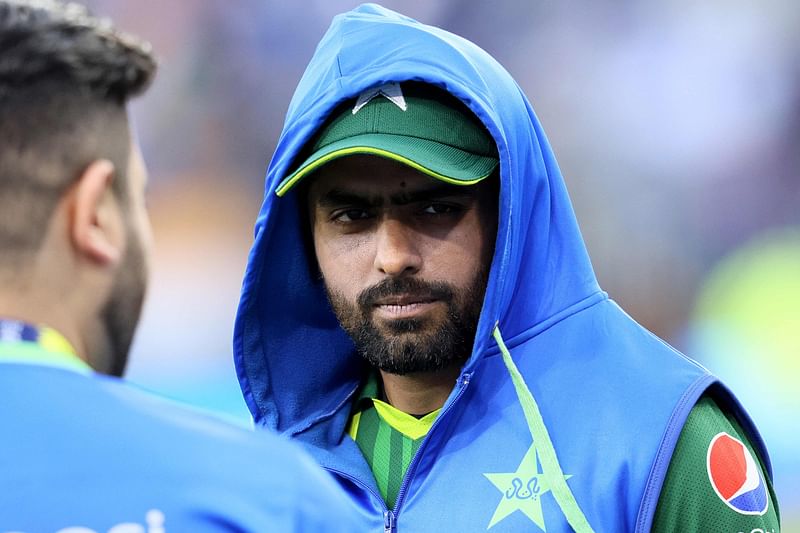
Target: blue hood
295	364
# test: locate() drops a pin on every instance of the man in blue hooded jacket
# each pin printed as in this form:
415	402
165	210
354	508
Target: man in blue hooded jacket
420	312
82	451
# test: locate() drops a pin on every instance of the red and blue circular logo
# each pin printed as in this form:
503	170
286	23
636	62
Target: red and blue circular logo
735	475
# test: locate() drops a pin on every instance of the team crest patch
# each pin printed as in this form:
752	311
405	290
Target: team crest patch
521	490
735	475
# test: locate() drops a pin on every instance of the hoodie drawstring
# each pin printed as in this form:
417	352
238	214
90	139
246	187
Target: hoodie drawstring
551	470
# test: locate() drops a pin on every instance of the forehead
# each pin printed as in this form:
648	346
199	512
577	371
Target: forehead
371	175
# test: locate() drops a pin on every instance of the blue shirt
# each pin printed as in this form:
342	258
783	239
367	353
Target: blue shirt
84	450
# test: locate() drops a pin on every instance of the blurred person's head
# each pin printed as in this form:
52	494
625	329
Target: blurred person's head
74	232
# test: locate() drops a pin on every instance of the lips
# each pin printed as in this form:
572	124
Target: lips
403	297
404	308
404	300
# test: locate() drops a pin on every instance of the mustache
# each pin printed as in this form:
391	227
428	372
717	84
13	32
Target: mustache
436	290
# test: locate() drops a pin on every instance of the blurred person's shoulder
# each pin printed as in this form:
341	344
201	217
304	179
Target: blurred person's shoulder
204	429
129	444
288	490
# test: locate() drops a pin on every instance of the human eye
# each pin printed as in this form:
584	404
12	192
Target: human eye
441	208
345	216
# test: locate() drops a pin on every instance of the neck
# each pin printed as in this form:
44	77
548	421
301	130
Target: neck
29	311
420	393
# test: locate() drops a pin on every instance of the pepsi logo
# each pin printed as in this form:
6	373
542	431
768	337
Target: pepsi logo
735	475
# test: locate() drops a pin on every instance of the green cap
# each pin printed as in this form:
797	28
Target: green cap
426	129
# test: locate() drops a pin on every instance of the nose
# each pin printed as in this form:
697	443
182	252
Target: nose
397	249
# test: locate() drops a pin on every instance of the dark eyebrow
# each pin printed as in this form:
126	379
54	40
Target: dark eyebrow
337	197
433	192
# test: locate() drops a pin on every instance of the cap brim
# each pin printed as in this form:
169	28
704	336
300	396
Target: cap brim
437	160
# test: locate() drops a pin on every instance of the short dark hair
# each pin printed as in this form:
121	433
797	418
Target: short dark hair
65	79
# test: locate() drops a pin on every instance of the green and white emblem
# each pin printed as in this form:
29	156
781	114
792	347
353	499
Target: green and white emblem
521	490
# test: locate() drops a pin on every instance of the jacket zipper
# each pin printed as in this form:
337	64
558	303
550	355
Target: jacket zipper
390	517
389	523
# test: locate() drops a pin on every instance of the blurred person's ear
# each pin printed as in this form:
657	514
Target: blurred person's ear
94	224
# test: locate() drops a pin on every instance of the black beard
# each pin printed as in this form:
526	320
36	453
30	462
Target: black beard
120	314
412	345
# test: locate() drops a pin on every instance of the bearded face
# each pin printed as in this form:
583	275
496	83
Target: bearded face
405	259
413	344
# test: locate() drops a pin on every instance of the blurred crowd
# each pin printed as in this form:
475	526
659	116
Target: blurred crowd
676	125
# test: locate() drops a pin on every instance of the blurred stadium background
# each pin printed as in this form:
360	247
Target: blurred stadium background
676	124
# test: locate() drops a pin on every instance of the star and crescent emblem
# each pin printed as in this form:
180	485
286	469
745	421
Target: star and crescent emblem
521	490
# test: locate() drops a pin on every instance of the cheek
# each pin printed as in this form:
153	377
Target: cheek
139	229
144	230
343	262
460	254
454	262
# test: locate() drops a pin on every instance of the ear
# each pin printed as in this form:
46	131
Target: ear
92	226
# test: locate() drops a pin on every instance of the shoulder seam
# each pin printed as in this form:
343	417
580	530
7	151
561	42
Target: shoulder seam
669	440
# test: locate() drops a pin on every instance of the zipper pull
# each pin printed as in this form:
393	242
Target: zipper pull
389	525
